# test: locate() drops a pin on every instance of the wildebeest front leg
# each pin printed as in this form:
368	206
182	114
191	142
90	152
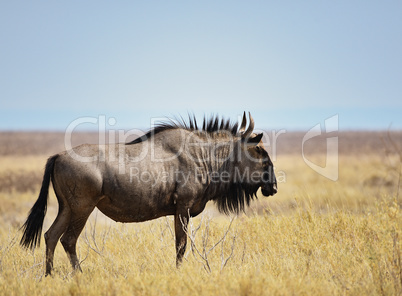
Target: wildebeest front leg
180	225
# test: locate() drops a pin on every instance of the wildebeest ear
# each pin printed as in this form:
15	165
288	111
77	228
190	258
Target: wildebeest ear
255	140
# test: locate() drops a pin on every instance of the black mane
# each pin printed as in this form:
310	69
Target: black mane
214	124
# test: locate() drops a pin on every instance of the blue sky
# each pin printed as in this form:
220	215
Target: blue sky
291	63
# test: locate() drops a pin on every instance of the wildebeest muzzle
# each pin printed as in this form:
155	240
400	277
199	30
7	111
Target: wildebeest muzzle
269	184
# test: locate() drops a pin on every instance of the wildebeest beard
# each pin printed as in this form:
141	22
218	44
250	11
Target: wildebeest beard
233	194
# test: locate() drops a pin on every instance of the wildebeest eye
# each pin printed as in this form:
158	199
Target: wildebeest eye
261	151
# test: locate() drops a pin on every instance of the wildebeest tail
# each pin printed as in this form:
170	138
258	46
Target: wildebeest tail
33	226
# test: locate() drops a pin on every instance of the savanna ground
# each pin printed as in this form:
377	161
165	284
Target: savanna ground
315	237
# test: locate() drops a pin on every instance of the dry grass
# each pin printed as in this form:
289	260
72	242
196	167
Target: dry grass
315	237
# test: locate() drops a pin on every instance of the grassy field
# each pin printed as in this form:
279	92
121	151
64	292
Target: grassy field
315	237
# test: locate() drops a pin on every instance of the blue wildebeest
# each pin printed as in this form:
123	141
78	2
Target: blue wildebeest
174	169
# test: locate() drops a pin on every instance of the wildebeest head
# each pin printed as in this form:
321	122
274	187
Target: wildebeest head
255	165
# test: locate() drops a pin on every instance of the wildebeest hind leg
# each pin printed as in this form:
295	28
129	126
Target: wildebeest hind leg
52	236
70	237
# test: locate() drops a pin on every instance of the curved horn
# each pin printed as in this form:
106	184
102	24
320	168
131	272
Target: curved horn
243	123
250	127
